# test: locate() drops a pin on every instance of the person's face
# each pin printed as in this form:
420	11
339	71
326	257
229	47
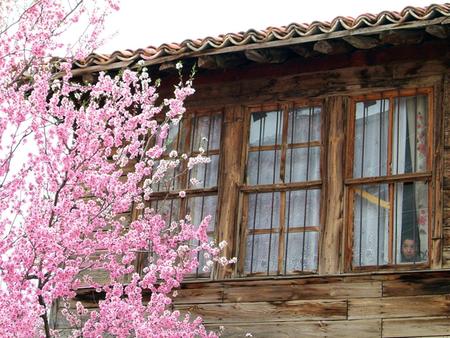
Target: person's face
408	249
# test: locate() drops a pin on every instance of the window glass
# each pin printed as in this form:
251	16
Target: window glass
371	138
282	226
390	218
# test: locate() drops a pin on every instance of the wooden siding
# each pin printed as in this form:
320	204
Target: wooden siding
413	304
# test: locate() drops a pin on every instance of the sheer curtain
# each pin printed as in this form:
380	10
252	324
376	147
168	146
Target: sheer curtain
371	204
409	156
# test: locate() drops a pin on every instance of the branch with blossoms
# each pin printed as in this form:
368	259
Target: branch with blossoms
64	185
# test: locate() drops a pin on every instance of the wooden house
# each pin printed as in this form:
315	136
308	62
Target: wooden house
329	174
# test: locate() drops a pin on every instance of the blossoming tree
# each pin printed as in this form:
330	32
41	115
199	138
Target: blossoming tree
64	145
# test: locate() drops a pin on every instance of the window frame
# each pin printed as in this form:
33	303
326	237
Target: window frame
390	179
245	189
184	145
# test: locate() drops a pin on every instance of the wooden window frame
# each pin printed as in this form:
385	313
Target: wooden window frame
183	180
246	189
390	179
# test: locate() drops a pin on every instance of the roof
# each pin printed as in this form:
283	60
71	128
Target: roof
339	27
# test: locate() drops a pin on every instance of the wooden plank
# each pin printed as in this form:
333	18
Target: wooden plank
331	240
362	42
267	55
231	177
275	311
416	327
198	295
267	292
416	285
401	37
436	110
331	47
395	307
304	329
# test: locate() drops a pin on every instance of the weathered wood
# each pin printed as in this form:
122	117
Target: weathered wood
416	327
305	329
231	177
230	60
198	295
348	81
331	242
267	55
303	50
362	42
437	110
331	47
438	31
401	37
274	292
282	186
207	62
397	307
168	67
416	285
275	311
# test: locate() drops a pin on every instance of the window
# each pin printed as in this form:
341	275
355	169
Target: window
388	179
281	220
191	134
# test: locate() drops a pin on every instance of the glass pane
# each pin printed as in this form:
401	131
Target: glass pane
168	209
263	210
371	217
301	251
170	181
174	139
411	222
199	271
302	164
304	125
303	208
261	253
263	167
206	174
409	145
208	126
200	207
265	128
371	138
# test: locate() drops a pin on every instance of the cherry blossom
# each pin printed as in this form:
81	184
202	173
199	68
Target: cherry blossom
65	150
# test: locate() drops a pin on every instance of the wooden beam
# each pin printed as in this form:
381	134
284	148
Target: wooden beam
221	61
331	47
362	42
402	37
168	67
271	55
207	62
331	241
230	60
304	50
232	138
438	31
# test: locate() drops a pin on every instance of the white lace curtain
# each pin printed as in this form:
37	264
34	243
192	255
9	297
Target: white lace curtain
372	206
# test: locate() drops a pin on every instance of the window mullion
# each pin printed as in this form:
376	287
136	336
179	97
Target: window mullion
282	246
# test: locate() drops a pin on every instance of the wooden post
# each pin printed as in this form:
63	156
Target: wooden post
440	107
330	260
232	136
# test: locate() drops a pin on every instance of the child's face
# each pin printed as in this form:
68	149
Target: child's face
409	249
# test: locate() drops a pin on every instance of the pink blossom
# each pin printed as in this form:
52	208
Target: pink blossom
95	152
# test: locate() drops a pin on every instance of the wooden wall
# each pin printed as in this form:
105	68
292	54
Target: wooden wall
335	303
370	305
